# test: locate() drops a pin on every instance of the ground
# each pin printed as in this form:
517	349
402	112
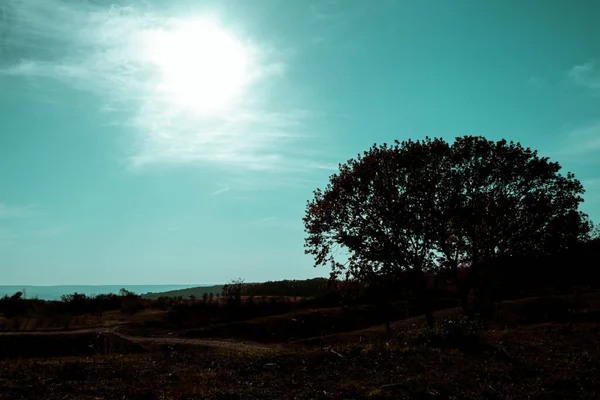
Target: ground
515	360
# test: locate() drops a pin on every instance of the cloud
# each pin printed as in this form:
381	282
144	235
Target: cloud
222	190
49	232
20	222
580	145
591	182
587	75
8	211
585	139
99	49
275	222
327	10
537	81
9	237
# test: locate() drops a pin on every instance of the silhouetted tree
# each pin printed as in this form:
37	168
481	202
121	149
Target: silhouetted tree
126	293
420	205
233	291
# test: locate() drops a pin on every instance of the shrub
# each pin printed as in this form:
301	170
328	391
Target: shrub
460	332
15	306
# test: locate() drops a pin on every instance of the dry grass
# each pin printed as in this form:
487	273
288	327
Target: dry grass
549	360
546	361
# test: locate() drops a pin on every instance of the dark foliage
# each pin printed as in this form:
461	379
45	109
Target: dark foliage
431	206
459	332
294	288
71	304
198	313
510	277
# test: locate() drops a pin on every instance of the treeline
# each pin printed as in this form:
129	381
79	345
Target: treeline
316	287
197	292
17	306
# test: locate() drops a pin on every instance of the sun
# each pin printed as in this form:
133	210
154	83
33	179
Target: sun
199	65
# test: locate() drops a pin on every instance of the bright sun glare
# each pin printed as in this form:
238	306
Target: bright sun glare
201	67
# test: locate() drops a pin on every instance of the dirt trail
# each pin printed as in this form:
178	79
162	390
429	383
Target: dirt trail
75	331
232	344
221	344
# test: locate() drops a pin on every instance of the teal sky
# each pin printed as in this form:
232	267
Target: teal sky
144	143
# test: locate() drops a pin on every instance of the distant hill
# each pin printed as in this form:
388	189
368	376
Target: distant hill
300	288
195	291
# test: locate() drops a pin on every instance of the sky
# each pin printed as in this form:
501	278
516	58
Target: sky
152	142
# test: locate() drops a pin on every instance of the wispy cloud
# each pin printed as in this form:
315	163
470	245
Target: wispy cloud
587	75
327	10
585	139
579	145
7	237
11	211
99	49
49	232
23	222
221	190
537	81
11	236
275	222
591	182
333	17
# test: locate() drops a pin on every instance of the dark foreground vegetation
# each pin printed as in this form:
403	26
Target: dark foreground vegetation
543	347
534	349
470	273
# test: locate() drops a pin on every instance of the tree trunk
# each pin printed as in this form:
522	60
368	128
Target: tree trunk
388	327
383	309
463	293
382	302
429	318
423	297
462	288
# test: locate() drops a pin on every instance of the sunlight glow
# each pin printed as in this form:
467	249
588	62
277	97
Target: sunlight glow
201	67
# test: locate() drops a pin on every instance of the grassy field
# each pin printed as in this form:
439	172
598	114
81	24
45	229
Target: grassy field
532	350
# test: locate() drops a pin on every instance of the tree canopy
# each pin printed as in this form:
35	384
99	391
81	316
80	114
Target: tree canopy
419	205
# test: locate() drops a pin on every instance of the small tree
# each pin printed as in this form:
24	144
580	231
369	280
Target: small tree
126	293
233	291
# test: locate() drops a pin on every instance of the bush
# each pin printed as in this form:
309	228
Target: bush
460	332
15	306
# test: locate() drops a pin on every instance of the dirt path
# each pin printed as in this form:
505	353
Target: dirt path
233	344
220	344
76	331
